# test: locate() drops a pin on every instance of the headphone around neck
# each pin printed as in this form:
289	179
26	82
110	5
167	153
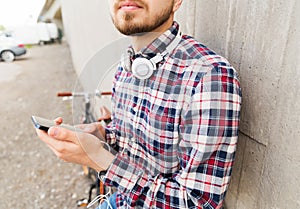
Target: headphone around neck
142	67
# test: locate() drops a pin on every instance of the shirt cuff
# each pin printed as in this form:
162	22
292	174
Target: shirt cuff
110	135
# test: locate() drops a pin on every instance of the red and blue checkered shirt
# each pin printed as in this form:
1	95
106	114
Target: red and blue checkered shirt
176	132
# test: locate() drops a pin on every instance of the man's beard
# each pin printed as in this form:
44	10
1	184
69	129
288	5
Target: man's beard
136	29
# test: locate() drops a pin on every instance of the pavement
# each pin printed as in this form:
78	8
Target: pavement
31	176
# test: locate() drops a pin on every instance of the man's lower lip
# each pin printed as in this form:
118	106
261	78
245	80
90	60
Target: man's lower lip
129	8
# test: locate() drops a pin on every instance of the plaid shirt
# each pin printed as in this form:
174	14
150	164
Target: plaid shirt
176	132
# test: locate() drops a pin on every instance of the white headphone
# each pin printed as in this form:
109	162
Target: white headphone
141	67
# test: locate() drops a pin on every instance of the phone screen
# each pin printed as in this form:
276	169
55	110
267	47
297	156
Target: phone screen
44	124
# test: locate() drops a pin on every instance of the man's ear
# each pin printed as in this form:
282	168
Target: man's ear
177	4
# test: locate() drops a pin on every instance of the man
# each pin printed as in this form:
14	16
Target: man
175	130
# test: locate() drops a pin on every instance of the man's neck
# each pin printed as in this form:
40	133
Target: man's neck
139	42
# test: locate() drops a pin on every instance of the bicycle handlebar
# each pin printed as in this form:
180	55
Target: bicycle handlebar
68	94
105	93
64	94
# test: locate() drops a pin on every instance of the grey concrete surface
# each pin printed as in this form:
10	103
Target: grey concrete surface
8	72
88	28
31	176
261	40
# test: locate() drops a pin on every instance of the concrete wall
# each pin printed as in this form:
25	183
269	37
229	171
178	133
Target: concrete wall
261	40
95	45
93	40
88	28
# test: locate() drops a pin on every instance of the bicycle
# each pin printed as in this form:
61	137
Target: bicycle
87	118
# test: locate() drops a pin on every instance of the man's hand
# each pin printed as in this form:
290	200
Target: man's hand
105	114
95	129
76	147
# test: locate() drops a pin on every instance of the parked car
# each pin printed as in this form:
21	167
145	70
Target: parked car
10	48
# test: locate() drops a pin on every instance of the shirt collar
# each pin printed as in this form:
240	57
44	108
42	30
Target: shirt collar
160	44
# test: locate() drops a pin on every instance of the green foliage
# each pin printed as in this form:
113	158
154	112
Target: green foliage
28	46
2	28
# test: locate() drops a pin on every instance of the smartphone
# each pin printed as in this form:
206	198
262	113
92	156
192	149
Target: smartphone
44	124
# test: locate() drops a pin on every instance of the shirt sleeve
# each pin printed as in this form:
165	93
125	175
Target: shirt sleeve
208	132
110	129
110	134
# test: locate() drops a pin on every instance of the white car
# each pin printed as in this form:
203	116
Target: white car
10	48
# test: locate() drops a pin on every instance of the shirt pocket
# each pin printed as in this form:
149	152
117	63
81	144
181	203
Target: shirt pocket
163	137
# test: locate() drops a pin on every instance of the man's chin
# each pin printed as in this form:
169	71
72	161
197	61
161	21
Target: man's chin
133	33
130	30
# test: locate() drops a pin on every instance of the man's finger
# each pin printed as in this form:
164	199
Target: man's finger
62	134
51	142
57	146
58	120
